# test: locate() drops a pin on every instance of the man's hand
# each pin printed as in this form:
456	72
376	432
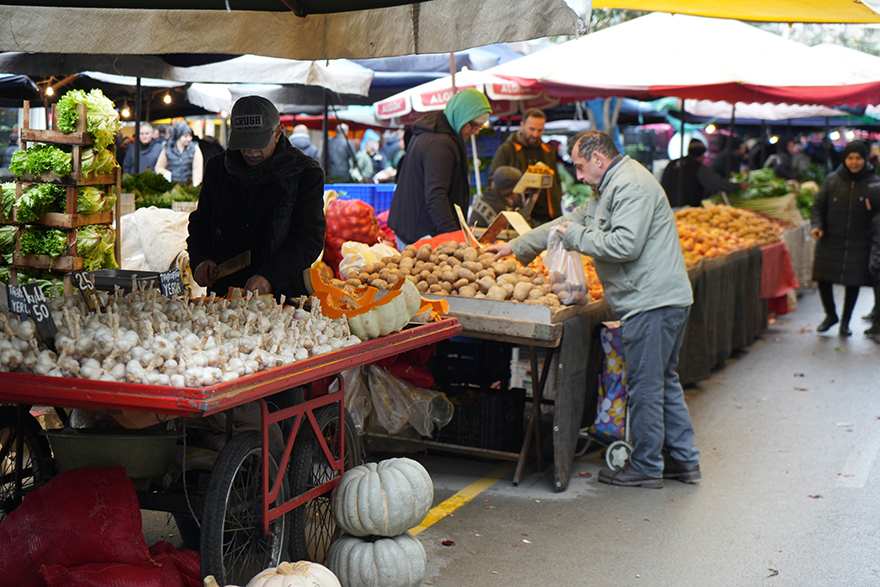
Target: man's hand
202	274
258	284
500	250
817	233
562	227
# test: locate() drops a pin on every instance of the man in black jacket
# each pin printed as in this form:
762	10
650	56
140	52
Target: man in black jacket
688	181
265	196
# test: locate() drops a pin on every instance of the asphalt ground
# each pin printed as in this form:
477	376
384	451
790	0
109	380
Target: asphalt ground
789	431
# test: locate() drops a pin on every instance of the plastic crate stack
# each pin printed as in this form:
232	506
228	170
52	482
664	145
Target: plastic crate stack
377	195
486	147
69	220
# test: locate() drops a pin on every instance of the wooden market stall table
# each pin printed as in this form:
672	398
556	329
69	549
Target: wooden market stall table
27	390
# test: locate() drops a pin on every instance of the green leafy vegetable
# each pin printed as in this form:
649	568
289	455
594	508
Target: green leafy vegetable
7	239
5	274
39	199
94	243
96	161
39	241
146	183
39	158
102	119
49	283
7	204
90	200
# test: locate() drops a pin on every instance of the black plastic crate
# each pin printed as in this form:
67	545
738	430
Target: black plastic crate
487	420
462	364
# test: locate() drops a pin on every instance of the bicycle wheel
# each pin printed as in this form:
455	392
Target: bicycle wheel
312	524
36	460
233	546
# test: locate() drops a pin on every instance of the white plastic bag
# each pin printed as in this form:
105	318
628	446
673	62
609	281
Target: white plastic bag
566	273
357	397
356	256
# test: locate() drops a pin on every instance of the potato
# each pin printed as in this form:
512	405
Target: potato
337	282
485	284
557	277
484	273
364	276
430	266
459	254
379	266
521	290
496	293
379	284
538	280
396	258
419	266
449	276
432	279
453	261
511	265
463	273
406	263
440	259
470	254
460	283
499	268
543	300
424	253
507	278
436	289
486	259
472	266
446	285
467	292
535	293
480	295
385	260
353	282
413	279
507	287
557	288
526	271
422	286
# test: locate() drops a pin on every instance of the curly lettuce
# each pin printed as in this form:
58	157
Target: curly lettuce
102	119
38	199
39	158
7	203
39	241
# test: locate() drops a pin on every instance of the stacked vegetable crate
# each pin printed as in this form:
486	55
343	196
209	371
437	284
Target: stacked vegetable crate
70	220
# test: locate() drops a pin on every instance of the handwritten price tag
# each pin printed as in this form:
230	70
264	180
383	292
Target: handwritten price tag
85	283
39	311
17	301
171	283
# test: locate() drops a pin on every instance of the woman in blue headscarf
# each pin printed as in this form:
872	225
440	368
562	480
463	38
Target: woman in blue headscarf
181	159
434	175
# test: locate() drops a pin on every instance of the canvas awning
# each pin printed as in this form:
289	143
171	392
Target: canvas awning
828	11
691	57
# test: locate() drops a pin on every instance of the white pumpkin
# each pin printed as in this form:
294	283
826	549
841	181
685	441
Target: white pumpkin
382	499
381	562
299	574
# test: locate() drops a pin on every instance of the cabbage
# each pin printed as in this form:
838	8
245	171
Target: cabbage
90	200
7	204
94	243
102	119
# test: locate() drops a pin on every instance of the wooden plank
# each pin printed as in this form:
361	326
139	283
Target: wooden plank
55	136
70	180
59	220
64	263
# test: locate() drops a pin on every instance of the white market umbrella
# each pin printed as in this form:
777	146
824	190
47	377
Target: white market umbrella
691	57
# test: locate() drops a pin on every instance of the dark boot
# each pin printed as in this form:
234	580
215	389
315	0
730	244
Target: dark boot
826	293
849	305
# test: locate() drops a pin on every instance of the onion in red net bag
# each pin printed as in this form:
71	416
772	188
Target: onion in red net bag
348	220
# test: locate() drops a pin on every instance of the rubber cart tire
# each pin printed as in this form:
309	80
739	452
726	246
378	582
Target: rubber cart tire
37	459
312	524
618	454
233	547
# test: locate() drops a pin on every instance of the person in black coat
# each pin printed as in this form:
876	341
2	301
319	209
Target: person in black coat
688	181
263	195
434	174
874	262
841	223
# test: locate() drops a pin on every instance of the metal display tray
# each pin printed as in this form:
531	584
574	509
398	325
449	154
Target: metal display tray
109	279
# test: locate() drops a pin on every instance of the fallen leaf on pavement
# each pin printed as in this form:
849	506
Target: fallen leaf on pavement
800	389
523	534
838	348
448	543
799	375
773	573
803	330
588	474
488	507
817	496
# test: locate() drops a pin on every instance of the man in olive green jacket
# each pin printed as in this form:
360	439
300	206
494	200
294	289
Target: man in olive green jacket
628	228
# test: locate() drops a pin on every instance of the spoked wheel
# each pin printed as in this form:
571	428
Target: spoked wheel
233	546
313	527
36	460
617	454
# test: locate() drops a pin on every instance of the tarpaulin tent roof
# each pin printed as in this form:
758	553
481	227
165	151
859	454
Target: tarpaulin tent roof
435	26
828	11
691	57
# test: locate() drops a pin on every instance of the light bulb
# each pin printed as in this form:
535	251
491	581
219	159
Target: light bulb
850	135
125	112
834	136
167	99
50	91
710	129
224	114
773	139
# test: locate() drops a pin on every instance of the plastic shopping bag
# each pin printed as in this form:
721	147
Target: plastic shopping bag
397	404
356	256
566	273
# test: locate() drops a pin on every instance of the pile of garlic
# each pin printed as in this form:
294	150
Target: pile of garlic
143	337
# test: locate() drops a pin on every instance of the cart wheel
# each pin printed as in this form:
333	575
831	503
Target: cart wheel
617	454
313	527
233	547
36	459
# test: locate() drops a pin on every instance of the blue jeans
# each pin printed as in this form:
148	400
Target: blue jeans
657	414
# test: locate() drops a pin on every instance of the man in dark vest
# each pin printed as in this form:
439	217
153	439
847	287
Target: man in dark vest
524	148
688	181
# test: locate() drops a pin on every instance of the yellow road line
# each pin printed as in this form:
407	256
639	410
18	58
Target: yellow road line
463	497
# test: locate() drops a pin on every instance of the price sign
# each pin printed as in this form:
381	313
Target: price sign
39	311
85	283
171	283
17	301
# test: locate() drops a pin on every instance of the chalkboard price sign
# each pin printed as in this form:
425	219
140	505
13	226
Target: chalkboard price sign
85	283
17	301
36	305
171	284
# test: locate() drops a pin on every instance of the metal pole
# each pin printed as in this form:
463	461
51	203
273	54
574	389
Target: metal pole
827	147
137	127
729	163
681	162
763	142
325	128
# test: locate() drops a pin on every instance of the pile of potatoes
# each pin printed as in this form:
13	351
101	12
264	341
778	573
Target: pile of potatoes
459	270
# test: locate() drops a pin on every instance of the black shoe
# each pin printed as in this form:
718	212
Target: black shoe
672	469
827	323
869	317
873	334
844	330
629	477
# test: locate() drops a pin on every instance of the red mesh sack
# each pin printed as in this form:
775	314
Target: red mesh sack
80	517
